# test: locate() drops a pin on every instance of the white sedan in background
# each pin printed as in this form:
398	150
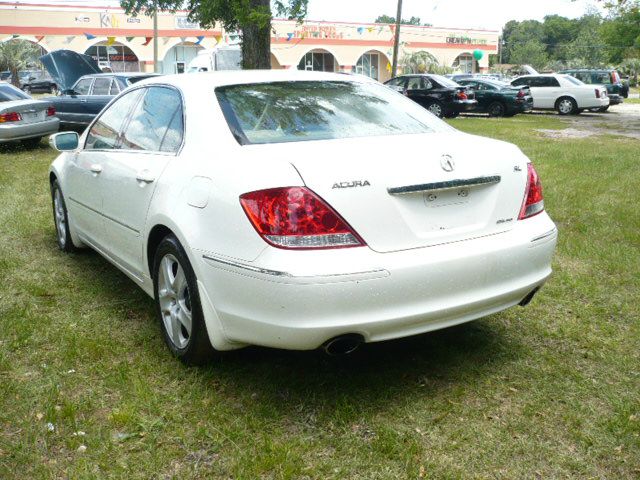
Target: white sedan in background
298	210
563	93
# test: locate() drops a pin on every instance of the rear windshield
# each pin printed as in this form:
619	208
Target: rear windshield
281	112
573	80
444	81
9	92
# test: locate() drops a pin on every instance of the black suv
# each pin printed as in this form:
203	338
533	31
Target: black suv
441	96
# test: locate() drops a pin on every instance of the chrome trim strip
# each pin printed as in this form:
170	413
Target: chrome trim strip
277	273
247	267
137	232
428	187
544	235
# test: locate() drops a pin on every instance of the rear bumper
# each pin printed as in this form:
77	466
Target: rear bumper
596	103
464	105
10	132
615	99
298	300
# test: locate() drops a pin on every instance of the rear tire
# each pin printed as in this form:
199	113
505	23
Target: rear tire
496	109
566	106
178	306
435	107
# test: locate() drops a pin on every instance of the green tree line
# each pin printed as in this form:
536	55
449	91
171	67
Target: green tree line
588	41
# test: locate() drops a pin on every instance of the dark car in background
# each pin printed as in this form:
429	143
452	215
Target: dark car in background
77	107
499	99
441	96
617	90
37	82
84	89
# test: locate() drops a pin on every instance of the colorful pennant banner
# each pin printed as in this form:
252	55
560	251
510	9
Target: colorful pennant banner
147	41
89	36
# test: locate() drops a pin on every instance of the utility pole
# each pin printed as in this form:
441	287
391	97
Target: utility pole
396	43
155	36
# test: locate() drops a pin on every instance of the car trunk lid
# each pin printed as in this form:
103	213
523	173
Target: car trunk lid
31	111
415	191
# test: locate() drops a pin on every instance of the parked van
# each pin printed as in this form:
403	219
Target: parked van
218	58
610	78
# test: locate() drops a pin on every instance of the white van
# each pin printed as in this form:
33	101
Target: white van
218	58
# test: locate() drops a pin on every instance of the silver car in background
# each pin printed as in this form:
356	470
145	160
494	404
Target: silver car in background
23	118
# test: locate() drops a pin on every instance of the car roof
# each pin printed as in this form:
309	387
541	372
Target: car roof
120	74
188	81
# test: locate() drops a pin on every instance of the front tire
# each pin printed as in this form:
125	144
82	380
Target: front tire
61	219
178	306
566	106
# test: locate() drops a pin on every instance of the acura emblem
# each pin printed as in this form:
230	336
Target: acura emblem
447	163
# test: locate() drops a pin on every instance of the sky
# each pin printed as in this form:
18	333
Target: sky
487	14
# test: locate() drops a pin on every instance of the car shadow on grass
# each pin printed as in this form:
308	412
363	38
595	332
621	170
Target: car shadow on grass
286	381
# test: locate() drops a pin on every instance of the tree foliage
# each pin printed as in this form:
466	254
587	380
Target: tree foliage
252	18
16	55
390	19
422	62
588	41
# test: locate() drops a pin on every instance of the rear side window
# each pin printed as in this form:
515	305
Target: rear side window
548	82
83	86
101	86
9	92
114	90
156	123
415	83
105	132
281	112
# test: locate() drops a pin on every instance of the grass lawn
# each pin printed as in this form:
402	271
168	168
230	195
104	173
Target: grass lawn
547	391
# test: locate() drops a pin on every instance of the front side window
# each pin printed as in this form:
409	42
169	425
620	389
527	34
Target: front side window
280	112
83	86
101	86
114	90
105	132
414	83
156	123
396	82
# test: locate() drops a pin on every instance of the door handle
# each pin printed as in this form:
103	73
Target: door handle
96	168
83	100
145	176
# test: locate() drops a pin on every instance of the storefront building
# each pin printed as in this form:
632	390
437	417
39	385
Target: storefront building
125	43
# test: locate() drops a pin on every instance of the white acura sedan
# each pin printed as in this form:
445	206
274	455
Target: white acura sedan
298	210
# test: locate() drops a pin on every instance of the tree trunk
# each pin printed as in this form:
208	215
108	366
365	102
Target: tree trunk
256	41
15	79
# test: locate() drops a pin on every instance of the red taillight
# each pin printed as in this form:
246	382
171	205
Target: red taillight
51	111
521	94
533	202
462	96
597	93
297	218
10	117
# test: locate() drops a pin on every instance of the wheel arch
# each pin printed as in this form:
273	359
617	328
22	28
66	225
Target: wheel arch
156	235
564	95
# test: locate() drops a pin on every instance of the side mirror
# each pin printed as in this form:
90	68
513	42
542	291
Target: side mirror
64	141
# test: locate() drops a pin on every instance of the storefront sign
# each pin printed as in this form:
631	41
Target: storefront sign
463	40
82	20
133	20
183	23
108	21
316	31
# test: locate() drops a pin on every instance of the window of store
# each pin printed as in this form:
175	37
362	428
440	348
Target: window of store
114	58
464	63
368	64
318	62
178	57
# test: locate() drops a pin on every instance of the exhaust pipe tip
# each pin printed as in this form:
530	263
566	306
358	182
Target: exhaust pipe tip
342	345
526	300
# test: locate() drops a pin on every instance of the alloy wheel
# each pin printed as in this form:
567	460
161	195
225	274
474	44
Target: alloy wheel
565	106
436	109
61	221
175	301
